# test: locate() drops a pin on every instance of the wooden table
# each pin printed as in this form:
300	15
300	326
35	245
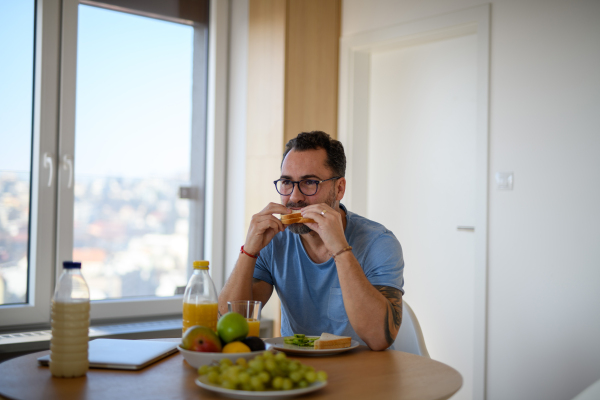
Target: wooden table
356	374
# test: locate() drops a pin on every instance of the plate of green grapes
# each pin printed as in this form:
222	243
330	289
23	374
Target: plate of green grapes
269	375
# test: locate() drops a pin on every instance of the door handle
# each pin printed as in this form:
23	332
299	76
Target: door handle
466	228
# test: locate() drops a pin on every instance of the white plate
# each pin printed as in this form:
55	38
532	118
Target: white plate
278	344
267	394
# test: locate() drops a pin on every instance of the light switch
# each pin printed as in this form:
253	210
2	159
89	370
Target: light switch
504	180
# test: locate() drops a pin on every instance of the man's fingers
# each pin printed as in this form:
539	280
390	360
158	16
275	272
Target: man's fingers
275	208
312	225
270	223
279	224
318	208
317	211
259	219
264	226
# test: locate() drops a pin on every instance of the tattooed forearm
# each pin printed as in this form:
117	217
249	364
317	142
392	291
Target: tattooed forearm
393	316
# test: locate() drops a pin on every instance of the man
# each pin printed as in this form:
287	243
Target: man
342	274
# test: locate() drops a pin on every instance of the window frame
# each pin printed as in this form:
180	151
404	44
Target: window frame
143	306
42	222
51	208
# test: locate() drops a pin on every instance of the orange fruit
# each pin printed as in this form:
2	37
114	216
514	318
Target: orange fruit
236	347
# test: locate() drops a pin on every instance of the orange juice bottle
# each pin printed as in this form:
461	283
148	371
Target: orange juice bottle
200	299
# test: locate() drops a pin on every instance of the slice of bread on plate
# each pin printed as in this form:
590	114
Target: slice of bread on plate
330	341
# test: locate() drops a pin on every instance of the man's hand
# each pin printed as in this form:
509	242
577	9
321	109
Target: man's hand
328	225
263	227
240	286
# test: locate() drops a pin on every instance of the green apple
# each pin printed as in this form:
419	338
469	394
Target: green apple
201	338
232	326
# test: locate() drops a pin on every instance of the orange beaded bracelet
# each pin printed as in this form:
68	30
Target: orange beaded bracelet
341	251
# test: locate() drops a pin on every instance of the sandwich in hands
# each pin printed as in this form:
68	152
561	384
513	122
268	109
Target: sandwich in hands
295	218
330	341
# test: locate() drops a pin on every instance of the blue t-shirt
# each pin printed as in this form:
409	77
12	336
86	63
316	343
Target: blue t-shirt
310	293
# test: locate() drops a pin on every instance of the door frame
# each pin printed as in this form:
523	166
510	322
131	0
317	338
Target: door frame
355	58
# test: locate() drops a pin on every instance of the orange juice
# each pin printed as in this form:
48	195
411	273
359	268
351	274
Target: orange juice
204	314
254	327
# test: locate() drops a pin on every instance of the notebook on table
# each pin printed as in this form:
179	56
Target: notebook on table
123	353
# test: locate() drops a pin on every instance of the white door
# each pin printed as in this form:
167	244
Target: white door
421	184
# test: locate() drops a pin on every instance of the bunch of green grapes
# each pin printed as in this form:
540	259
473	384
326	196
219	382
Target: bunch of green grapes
264	372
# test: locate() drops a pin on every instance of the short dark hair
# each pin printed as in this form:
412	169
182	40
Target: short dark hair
336	158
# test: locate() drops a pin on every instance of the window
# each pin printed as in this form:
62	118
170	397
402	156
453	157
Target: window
134	95
16	101
95	176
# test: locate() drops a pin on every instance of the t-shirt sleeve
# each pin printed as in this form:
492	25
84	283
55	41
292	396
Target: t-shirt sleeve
262	268
384	262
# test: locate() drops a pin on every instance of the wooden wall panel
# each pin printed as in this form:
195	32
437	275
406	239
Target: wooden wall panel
293	48
311	69
266	68
264	124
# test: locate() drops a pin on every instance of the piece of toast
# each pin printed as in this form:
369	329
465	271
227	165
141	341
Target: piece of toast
294	218
331	341
297	221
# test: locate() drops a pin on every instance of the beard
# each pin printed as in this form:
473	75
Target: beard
301	229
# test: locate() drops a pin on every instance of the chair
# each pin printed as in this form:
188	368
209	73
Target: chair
591	393
410	337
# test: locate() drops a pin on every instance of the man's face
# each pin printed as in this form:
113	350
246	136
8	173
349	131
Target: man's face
308	164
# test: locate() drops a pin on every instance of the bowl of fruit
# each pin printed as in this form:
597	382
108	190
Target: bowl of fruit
201	345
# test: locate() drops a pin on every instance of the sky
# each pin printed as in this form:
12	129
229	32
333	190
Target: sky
133	99
16	83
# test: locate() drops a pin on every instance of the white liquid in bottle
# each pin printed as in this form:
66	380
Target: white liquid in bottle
70	323
69	343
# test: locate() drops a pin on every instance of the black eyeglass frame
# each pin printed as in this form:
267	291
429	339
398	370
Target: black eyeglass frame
294	183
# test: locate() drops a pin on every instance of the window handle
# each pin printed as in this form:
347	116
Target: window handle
47	159
68	164
187	192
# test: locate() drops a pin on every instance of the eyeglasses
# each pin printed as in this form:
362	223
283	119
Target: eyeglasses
308	187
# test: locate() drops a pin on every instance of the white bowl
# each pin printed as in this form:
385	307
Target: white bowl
197	358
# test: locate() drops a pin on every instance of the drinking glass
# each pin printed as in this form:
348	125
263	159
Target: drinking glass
250	310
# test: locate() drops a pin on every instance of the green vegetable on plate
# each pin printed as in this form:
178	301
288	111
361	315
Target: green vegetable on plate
300	339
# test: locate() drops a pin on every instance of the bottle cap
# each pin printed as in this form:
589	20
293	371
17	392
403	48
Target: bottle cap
71	264
200	264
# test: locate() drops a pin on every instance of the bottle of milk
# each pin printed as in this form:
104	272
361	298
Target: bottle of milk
70	324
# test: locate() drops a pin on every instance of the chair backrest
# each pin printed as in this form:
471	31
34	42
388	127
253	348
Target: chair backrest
592	392
410	337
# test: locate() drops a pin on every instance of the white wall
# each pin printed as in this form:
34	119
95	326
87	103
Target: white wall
235	233
239	147
544	236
